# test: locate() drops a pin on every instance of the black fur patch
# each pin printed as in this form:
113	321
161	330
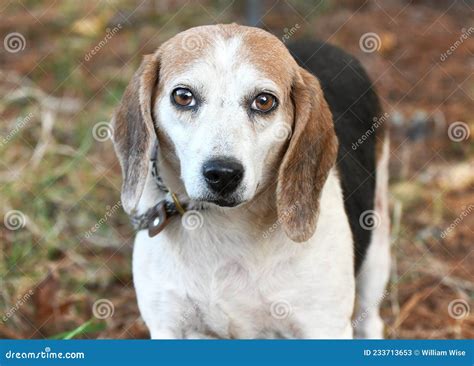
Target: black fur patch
354	104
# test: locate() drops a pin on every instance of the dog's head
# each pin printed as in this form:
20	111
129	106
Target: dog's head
237	115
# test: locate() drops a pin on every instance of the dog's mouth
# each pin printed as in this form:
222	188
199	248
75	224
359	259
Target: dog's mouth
221	201
211	199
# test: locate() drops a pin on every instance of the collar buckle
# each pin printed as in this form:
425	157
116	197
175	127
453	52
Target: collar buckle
158	218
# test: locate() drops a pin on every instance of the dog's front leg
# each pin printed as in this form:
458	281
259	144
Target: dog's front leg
198	335
162	333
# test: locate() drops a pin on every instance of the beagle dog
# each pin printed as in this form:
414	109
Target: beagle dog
241	176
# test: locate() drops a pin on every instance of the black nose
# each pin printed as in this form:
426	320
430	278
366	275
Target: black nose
223	175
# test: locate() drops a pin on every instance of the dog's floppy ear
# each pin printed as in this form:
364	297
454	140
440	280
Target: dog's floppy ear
134	131
311	153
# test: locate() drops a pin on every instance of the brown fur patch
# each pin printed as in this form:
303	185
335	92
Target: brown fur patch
310	156
270	56
133	131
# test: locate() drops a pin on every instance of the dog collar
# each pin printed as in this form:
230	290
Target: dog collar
157	218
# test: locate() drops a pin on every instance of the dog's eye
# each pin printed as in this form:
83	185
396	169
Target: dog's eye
264	102
183	97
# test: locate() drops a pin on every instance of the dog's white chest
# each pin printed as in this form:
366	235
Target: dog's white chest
197	285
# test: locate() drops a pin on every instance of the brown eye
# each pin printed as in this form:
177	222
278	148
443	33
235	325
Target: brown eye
264	102
184	97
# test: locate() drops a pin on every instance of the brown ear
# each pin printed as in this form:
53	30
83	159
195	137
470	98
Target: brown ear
134	131
311	153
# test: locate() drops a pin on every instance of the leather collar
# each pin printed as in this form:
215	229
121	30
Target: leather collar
158	217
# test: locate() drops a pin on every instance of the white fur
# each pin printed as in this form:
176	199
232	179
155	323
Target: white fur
375	271
226	280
